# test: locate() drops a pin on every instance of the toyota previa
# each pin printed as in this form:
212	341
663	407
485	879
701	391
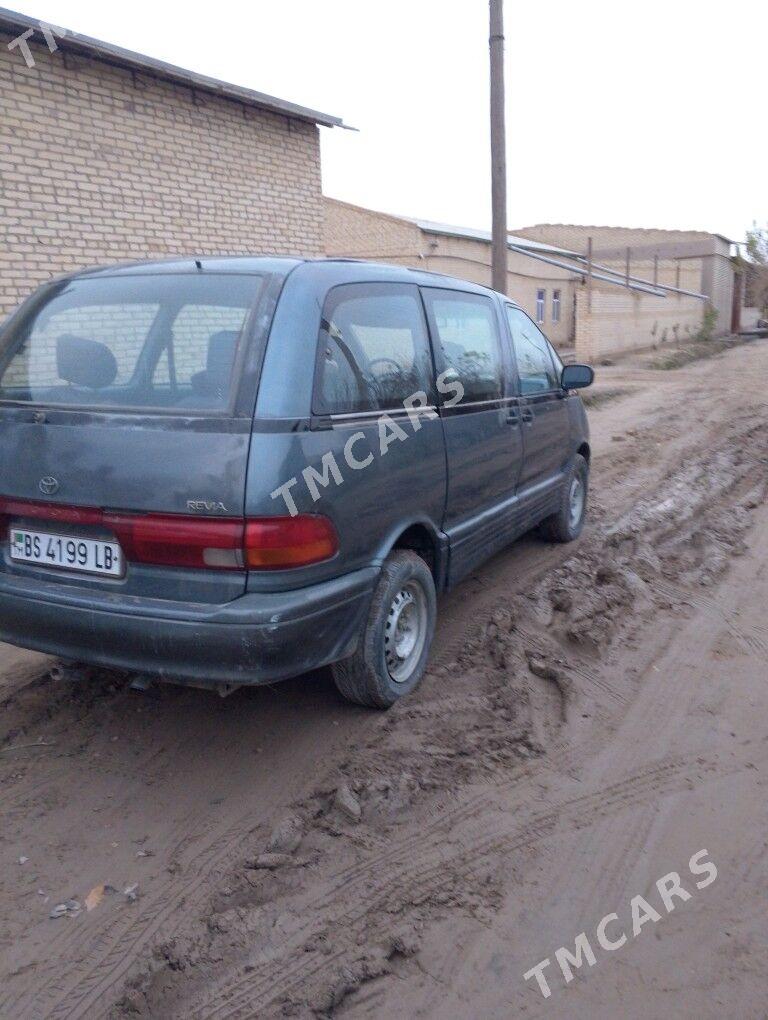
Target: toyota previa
227	471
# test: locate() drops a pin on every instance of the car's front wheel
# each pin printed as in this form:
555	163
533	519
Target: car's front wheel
394	647
567	524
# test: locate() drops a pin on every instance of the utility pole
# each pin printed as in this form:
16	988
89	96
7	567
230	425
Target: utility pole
498	149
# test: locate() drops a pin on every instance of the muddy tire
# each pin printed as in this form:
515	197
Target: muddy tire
567	524
394	647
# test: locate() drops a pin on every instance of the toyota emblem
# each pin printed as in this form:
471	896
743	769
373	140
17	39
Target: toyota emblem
49	486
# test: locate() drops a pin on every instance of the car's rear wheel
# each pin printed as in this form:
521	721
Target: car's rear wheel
393	651
567	524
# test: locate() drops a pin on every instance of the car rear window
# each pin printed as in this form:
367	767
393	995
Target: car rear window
132	342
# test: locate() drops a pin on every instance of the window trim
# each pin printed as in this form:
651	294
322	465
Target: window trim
541	302
556	306
320	417
557	389
465	406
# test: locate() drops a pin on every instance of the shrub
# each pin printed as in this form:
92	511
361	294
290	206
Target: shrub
707	329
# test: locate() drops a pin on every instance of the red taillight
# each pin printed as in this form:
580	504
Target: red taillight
170	540
50	512
212	543
274	543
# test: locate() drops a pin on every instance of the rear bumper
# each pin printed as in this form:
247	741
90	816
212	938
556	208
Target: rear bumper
255	639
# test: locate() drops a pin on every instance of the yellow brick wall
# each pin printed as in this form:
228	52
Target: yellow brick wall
722	293
623	320
574	236
351	231
712	273
98	165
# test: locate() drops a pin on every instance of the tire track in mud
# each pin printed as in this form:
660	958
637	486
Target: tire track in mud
245	996
116	943
573	666
415	878
111	930
751	637
114	952
564	757
655	708
528	575
114	947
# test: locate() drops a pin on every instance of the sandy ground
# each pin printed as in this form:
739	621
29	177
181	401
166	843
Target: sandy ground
593	717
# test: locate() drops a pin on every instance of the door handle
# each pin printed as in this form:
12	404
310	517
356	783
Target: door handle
527	415
513	418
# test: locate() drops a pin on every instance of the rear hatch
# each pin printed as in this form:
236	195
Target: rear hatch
126	402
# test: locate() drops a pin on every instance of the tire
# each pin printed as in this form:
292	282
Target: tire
567	524
390	660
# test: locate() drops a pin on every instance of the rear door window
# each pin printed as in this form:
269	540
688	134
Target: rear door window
160	342
466	328
373	350
535	366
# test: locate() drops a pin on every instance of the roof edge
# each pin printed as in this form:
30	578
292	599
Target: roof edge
449	230
13	22
662	230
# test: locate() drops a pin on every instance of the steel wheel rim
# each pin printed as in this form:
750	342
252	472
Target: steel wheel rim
405	632
576	499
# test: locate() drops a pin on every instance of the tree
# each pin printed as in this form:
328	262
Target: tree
757	268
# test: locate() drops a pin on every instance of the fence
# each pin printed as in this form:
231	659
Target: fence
619	320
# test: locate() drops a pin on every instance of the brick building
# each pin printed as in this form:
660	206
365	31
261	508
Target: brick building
600	312
690	259
107	155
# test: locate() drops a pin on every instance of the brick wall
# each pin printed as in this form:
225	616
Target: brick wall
574	236
720	278
100	165
624	320
710	273
351	231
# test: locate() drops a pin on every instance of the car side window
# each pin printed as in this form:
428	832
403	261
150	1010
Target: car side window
466	329
535	366
373	350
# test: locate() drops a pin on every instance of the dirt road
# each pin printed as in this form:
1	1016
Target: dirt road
594	716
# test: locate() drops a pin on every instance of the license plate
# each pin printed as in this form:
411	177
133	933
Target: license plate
66	552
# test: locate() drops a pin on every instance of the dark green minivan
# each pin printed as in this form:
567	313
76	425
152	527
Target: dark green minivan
228	471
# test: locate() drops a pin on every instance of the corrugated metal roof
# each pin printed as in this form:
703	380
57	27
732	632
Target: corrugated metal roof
15	24
485	235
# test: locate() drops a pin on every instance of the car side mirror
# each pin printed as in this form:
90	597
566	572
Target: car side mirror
577	377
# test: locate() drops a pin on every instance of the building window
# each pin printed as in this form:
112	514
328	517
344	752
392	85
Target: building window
555	306
541	297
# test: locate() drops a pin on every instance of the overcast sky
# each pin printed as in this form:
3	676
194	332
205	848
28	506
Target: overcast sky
620	113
